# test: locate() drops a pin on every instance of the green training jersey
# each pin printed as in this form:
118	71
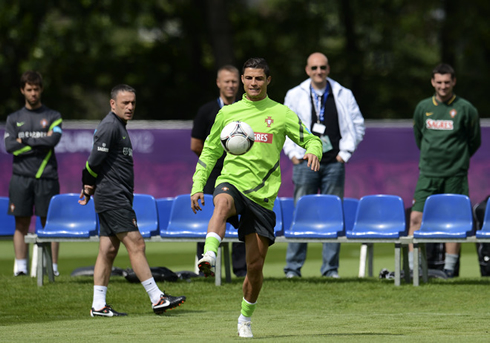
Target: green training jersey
447	134
257	173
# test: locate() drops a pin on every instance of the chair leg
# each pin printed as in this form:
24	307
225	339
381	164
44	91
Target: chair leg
397	264
196	268
406	266
40	269
370	259
415	264
48	257
217	275
226	248
34	261
425	271
362	260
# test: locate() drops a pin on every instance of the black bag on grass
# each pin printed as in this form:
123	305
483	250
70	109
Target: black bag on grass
158	273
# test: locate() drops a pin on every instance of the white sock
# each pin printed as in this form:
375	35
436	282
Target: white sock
21	265
55	267
152	289
99	297
212	253
450	261
410	260
243	319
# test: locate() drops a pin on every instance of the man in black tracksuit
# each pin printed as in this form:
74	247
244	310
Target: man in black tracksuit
109	176
31	134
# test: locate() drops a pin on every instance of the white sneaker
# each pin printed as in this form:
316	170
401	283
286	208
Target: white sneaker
245	329
207	264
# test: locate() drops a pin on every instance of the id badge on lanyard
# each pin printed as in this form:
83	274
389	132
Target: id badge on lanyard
318	127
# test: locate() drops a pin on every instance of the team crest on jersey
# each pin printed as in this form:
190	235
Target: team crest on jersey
453	113
225	189
44	123
128	152
269	121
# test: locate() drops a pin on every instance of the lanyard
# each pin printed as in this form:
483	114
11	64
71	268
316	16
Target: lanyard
220	102
319	102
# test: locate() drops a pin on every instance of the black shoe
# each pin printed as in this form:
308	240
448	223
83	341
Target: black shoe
167	302
20	274
449	273
106	311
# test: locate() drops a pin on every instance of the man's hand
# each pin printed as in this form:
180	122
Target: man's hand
313	162
87	191
195	201
339	159
295	160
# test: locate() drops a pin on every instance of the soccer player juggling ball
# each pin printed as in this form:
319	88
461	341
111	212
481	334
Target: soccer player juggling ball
249	183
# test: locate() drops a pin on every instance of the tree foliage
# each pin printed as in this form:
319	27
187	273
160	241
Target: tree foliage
384	50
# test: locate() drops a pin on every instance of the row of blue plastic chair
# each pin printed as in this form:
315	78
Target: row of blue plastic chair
445	216
167	217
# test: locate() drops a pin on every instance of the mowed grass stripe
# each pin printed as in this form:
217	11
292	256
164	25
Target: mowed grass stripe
310	309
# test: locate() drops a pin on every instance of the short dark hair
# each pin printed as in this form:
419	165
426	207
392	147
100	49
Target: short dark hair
444	68
256	63
31	77
121	88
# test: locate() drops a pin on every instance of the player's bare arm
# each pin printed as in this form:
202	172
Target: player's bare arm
195	201
313	162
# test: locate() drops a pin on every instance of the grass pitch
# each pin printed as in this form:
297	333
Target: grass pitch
310	309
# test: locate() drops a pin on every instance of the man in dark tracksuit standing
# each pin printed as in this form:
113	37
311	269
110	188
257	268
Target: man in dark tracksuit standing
109	176
31	134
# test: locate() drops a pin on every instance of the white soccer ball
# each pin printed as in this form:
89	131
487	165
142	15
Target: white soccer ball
237	138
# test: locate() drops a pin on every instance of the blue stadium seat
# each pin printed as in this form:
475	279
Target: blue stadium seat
68	219
184	223
287	209
39	226
7	222
279	228
379	216
317	216
446	216
350	210
164	206
484	232
145	207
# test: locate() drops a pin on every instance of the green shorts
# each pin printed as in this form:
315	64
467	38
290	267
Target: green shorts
427	186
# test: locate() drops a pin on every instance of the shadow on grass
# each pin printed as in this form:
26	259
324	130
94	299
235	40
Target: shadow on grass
326	335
